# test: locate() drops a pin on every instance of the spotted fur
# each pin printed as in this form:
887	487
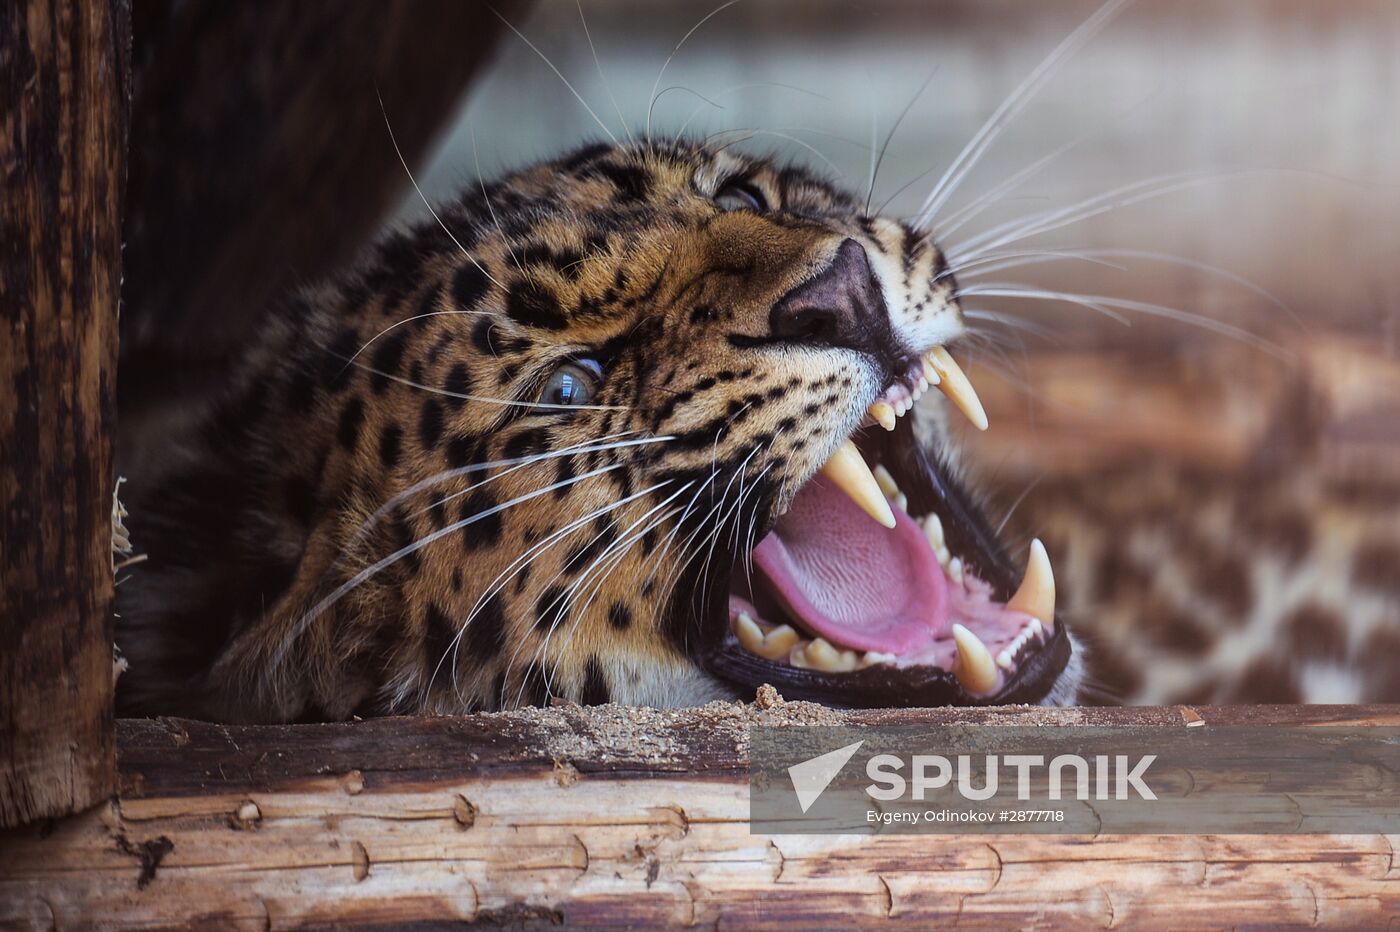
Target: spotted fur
1199	586
378	519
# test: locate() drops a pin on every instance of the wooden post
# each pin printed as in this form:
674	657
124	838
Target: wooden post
62	139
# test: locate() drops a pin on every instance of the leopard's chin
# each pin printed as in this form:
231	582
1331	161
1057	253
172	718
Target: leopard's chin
832	606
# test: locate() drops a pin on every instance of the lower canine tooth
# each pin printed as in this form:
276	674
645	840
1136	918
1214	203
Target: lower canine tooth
956	386
885	481
1036	597
973	667
848	472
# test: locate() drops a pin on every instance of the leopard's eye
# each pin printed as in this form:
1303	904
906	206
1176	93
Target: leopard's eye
736	195
573	383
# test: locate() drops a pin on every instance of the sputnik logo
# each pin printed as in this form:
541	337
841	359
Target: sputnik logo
811	777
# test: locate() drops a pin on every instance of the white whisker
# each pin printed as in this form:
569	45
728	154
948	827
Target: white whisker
407	320
712	100
607	85
481	182
1000	261
514	569
422	197
467	396
651	104
894	128
369	571
751	133
1011	107
1046	221
447	475
1103	302
557	73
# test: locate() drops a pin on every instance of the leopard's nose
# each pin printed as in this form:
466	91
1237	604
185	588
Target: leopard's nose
841	306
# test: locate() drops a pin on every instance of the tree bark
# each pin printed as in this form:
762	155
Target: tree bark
63	99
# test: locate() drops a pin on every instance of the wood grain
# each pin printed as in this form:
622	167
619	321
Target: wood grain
610	816
62	140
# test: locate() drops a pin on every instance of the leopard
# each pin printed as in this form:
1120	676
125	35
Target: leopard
653	422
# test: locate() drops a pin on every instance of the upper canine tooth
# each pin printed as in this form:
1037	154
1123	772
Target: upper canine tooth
883	414
955	385
847	471
1036	597
973	667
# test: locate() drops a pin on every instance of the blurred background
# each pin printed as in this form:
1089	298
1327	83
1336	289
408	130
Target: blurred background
1221	501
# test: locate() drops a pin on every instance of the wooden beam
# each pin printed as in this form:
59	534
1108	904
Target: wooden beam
612	816
62	139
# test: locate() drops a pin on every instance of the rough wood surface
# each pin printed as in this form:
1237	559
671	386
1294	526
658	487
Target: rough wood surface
611	817
62	138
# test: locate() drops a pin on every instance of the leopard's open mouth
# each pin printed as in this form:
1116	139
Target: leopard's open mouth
833	606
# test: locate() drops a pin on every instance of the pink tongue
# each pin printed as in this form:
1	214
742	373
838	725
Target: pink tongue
850	580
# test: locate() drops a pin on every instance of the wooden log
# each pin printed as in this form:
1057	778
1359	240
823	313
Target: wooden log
612	817
62	139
